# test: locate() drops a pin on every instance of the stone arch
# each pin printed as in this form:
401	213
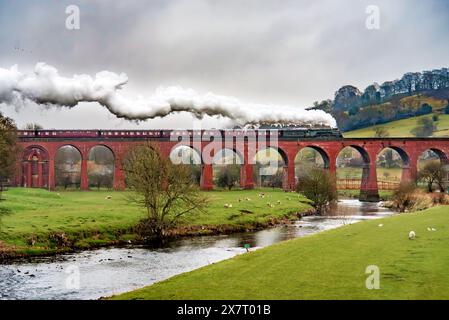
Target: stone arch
306	159
359	173
34	167
185	154
100	167
271	165
390	173
68	162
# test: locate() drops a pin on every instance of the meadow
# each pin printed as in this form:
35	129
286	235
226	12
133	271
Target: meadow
329	265
30	218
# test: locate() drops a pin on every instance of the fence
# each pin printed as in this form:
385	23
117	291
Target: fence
355	184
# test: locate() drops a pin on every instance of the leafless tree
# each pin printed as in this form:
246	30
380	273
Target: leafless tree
165	190
433	173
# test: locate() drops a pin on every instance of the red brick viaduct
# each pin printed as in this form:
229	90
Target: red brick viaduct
36	167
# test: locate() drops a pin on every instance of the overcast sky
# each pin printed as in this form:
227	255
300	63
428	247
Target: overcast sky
273	52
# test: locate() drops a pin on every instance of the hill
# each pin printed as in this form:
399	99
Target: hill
413	95
402	128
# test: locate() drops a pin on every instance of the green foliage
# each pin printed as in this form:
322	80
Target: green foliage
8	150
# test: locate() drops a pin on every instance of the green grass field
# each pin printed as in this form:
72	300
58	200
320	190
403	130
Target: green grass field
402	128
91	219
329	265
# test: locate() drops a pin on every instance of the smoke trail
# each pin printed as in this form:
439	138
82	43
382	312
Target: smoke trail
45	86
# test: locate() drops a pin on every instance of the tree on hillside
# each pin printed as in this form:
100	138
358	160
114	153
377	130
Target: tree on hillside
320	187
425	127
164	189
434	173
8	150
446	109
381	132
228	176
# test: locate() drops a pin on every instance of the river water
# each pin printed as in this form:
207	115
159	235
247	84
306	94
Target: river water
103	272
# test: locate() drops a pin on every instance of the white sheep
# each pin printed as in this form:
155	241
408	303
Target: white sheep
411	235
380	225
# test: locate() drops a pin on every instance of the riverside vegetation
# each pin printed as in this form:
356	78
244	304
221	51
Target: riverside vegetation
37	221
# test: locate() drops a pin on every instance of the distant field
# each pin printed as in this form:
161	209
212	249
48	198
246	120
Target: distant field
402	128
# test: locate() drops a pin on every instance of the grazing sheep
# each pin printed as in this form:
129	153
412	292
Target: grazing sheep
230	205
240	199
411	235
279	201
431	229
108	198
247	199
380	225
226	205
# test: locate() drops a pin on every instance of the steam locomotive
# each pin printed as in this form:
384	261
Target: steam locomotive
282	133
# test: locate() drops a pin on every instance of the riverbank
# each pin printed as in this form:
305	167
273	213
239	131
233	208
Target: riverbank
329	265
38	222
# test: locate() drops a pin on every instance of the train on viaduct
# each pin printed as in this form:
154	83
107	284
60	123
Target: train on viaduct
36	166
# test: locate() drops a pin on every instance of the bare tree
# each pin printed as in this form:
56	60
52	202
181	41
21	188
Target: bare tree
433	173
320	187
165	190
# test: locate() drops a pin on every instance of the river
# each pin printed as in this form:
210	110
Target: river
103	272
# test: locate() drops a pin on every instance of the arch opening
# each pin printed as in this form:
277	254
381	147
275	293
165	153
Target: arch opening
188	156
352	169
227	166
393	168
34	168
68	168
308	158
270	168
100	168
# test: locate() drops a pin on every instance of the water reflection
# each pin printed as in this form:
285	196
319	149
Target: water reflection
109	271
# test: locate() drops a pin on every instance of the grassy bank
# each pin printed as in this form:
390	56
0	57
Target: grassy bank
37	221
329	265
354	194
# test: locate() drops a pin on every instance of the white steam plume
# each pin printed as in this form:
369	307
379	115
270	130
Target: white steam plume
46	86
